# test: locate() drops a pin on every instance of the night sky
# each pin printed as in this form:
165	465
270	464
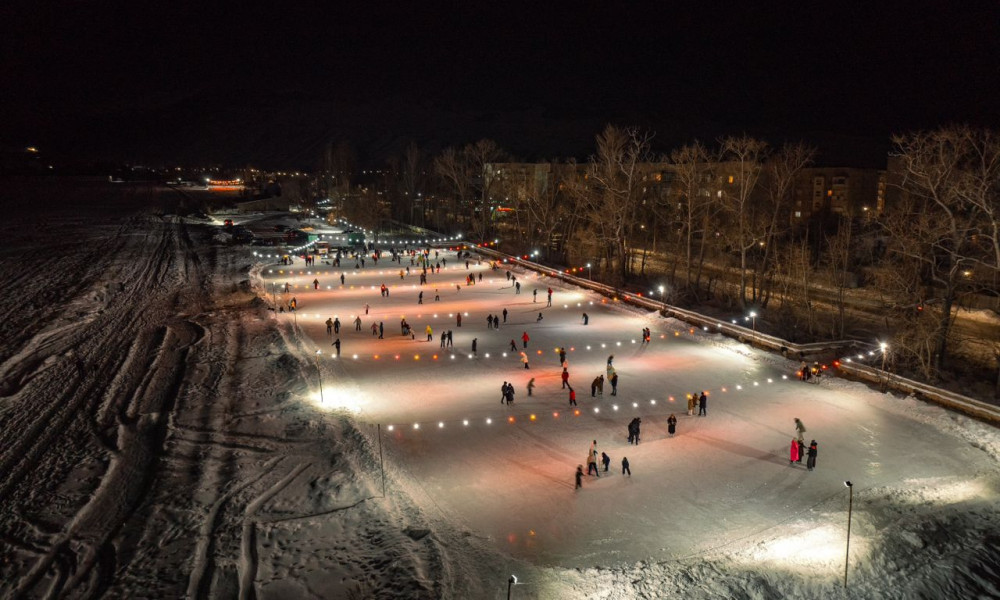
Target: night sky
273	84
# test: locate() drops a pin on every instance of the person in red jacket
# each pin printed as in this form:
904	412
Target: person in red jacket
572	397
565	379
793	452
525	338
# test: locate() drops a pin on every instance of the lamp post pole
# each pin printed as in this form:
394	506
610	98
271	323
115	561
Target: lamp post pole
590	272
753	324
850	507
885	375
319	374
510	583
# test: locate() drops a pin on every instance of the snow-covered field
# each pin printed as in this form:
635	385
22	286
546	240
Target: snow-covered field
164	434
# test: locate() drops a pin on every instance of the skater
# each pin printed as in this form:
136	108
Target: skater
458	318
534	294
517	287
793	452
524	359
539	318
531	386
550	298
366	309
592	464
671	425
503	392
811	461
524	339
572	397
513	346
611	359
336	326
474	340
374	329
336	344
489	321
691	403
381	330
614	384
579	476
562	356
329	327
565	378
430	334
594	384
437	296
342	282
800	429
702	404
420	298
586	319
357	323
606	461
625	467
505	315
802	450
510	394
444	338
451	342
315	284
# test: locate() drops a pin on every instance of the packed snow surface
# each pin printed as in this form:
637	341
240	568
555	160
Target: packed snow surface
163	433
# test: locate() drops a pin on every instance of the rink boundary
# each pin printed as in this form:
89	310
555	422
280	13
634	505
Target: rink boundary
845	348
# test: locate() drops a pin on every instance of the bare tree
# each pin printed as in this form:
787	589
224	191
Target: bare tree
745	156
615	190
697	205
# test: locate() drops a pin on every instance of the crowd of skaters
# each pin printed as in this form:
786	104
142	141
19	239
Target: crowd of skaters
698	400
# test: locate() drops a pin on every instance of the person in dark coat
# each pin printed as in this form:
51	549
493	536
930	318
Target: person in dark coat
336	326
811	461
625	467
336	343
614	384
638	423
802	450
672	425
606	460
579	476
702	404
593	386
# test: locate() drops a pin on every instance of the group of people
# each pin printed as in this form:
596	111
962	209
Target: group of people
592	465
798	447
701	401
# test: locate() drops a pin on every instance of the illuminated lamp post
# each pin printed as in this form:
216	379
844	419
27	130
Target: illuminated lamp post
753	323
885	375
319	374
590	272
850	507
511	582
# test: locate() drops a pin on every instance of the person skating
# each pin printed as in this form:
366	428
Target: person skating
329	327
374	329
572	397
614	384
625	467
430	334
811	461
524	339
672	425
531	386
586	319
594	385
357	323
458	318
579	476
505	315
606	460
800	429
802	450
336	326
702	405
420	298
562	356
565	378
444	338
474	340
503	392
550	297
534	294
451	342
489	321
793	452
336	344
524	359
381	330
592	464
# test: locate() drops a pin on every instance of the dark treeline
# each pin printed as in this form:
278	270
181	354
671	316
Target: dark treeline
726	224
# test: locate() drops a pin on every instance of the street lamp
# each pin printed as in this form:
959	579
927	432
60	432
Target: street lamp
661	293
590	273
885	355
319	373
510	582
850	507
753	323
